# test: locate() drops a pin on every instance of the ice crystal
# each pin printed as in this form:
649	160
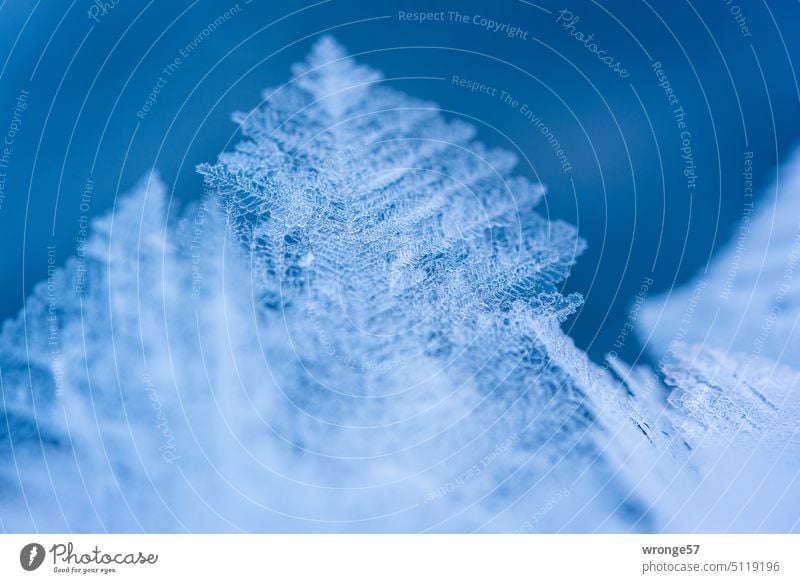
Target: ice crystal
357	328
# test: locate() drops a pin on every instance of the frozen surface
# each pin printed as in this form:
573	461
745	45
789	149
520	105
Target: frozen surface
357	328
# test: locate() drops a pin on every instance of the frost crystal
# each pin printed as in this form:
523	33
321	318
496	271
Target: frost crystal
732	396
357	328
383	233
728	345
380	235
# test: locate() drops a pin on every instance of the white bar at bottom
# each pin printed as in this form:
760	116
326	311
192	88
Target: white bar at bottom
402	558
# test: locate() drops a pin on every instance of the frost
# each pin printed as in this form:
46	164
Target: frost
356	328
731	396
729	339
377	232
728	346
